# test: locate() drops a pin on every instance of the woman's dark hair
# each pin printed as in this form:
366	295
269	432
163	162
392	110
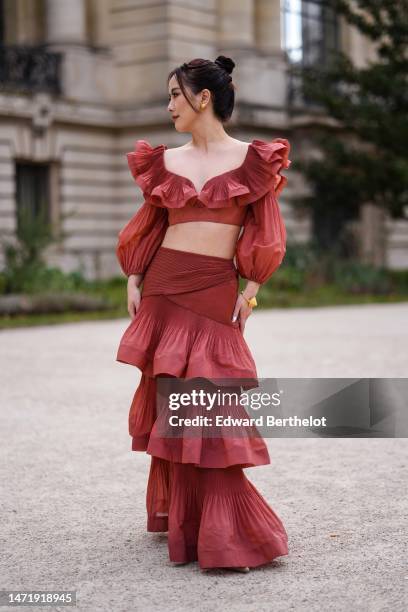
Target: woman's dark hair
199	74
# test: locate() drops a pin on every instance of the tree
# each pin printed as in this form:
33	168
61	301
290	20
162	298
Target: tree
364	150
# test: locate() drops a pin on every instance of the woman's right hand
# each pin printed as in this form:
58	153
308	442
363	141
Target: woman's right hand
133	297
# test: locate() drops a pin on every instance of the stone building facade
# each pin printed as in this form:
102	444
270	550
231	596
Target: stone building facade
81	80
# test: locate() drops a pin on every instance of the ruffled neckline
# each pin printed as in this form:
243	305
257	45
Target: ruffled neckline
256	175
206	185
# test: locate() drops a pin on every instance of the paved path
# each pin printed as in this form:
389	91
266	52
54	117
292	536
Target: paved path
72	507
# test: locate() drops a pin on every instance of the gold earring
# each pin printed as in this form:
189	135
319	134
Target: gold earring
202	106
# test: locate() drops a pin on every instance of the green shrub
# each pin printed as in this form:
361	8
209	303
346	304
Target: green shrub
359	278
25	268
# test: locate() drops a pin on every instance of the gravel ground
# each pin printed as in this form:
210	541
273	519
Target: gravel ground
73	494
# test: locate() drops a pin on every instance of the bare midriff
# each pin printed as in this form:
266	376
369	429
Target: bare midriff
204	237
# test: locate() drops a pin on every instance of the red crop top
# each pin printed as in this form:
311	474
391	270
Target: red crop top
245	196
196	211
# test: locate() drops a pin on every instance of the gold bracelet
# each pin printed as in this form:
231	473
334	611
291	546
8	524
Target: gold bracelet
251	302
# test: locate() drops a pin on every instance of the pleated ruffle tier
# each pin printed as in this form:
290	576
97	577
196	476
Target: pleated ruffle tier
214	516
215	448
183	326
166	338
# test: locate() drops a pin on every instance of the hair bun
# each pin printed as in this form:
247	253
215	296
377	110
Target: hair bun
226	63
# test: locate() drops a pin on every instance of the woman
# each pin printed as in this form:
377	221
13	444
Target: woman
189	321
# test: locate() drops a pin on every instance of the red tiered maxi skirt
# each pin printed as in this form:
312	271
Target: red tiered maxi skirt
197	490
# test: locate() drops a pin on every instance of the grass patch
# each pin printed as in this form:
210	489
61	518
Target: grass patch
304	280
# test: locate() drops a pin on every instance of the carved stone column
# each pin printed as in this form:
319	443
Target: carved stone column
236	24
268	26
373	235
66	22
86	76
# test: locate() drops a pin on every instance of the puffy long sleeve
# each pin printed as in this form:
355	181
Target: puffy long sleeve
142	235
262	245
140	238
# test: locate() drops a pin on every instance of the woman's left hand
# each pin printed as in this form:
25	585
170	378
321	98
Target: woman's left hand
241	310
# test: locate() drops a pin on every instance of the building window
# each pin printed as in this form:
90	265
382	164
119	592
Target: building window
2	23
310	31
33	195
26	66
